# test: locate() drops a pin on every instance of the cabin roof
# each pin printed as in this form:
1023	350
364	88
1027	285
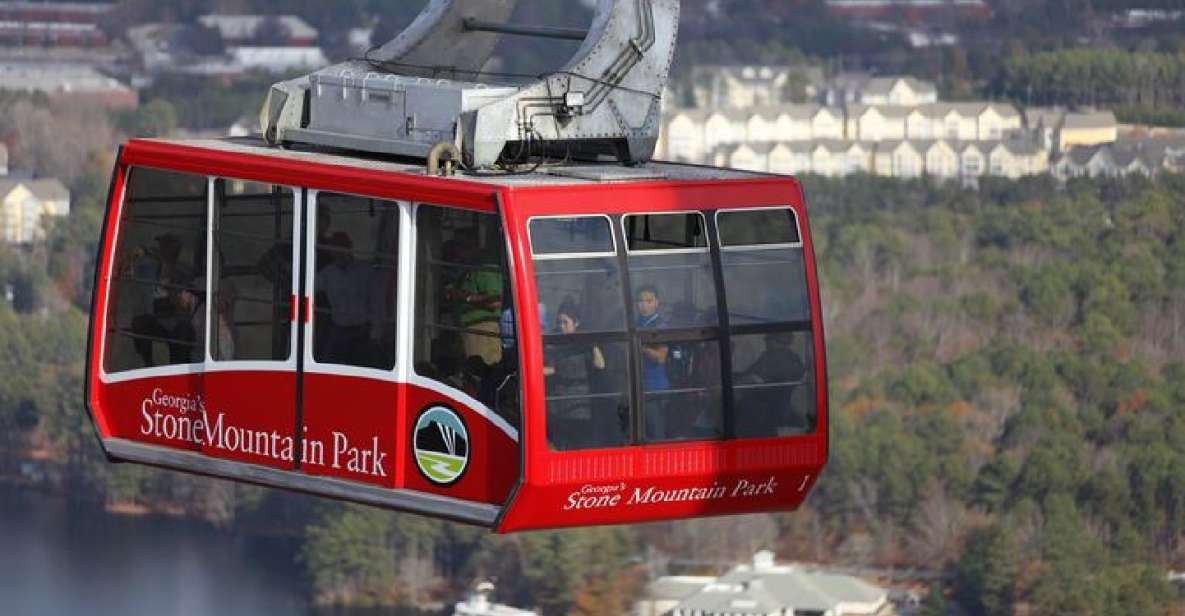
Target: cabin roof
565	174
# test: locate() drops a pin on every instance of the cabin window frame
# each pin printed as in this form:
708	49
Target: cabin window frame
721	333
796	327
410	285
298	194
403	340
107	374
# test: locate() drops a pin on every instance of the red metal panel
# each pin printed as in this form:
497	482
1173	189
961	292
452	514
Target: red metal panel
240	416
352	421
321	176
492	467
99	305
653	482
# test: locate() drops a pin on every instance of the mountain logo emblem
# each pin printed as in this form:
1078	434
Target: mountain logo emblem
441	445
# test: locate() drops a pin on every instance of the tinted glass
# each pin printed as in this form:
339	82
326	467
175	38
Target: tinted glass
673	290
586	234
757	227
252	283
773	384
156	313
592	286
681	385
765	285
355	264
464	312
665	232
587	393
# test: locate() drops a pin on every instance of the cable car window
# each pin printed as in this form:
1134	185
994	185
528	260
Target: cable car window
464	312
252	278
671	271
573	235
665	232
765	279
156	314
355	265
757	227
773	384
681	390
585	348
675	319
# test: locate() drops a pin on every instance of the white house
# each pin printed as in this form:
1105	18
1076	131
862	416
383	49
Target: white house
716	86
241	29
876	122
24	204
900	159
942	161
827	123
278	59
764	588
864	89
898	91
478	604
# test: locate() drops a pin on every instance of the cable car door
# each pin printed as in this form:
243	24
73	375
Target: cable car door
348	387
250	368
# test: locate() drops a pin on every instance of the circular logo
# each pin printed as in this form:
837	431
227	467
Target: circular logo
441	445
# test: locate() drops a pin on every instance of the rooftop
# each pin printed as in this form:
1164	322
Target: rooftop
243	27
54	78
765	588
575	174
46	189
1090	119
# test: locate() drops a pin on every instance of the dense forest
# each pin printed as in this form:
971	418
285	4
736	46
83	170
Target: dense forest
1007	387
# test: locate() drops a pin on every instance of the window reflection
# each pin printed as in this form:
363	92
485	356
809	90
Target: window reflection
773	388
355	266
156	313
252	282
464	310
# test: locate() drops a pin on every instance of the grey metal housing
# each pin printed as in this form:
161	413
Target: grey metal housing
426	87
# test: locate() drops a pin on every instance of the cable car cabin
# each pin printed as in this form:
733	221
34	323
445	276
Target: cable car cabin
578	345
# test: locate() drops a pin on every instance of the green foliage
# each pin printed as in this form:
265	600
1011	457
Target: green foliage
987	572
1141	84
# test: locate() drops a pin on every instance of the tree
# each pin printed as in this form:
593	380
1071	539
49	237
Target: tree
934	603
987	572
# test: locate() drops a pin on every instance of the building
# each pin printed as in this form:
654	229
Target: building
478	604
765	588
1087	128
1148	157
864	89
3	159
61	81
285	30
24	204
666	593
740	87
1061	129
910	10
56	24
277	59
1015	156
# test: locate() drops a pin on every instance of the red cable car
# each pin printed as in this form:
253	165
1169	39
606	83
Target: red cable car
601	346
577	344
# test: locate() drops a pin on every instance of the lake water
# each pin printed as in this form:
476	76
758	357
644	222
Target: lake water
58	558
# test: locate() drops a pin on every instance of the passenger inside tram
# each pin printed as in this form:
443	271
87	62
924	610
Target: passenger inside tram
478	292
347	284
584	408
173	302
654	360
464	328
